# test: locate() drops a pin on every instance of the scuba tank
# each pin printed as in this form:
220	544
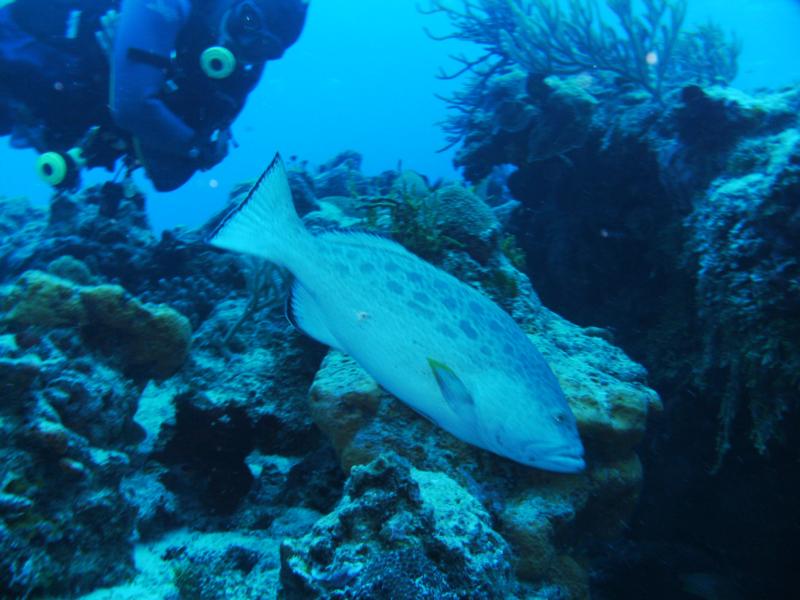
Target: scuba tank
65	24
66	90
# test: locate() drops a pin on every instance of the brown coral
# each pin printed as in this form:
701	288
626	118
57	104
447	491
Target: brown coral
147	340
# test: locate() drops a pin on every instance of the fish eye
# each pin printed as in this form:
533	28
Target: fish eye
560	418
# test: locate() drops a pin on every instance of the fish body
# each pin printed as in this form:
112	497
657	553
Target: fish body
434	342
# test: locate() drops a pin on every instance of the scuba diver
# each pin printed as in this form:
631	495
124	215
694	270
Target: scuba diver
156	83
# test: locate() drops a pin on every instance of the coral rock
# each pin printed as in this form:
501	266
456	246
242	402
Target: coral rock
463	216
606	390
153	339
16	376
70	268
44	301
411	184
399	533
147	339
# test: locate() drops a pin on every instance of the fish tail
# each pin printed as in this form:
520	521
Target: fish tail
266	223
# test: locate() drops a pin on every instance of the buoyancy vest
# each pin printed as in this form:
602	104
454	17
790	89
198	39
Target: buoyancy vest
66	24
203	102
60	87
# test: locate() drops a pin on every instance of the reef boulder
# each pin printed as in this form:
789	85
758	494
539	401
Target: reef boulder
146	340
465	217
399	532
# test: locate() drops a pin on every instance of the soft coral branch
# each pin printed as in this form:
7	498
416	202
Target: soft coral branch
645	47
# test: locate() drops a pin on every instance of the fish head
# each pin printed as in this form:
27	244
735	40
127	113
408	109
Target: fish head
532	425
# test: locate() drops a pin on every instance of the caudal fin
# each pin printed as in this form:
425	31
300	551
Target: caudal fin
265	223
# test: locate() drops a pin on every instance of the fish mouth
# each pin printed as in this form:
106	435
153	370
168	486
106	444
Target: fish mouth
560	460
564	463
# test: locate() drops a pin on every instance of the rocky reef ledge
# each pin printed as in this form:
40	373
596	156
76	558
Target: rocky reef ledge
159	438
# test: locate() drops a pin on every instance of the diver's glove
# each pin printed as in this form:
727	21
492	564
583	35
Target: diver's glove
211	151
108	30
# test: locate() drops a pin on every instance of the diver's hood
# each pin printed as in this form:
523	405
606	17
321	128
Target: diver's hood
261	30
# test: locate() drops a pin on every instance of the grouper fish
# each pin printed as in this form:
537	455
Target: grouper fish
434	342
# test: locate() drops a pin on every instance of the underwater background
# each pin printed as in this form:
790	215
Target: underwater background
364	77
165	433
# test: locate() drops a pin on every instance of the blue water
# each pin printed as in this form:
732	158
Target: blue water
362	76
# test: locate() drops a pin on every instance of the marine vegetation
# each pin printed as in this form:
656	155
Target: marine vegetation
414	223
265	285
746	246
645	48
510	247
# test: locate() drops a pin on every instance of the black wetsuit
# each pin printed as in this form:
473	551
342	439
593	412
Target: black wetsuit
57	82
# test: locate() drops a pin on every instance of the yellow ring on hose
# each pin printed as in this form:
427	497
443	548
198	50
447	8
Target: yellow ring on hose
52	168
217	62
76	154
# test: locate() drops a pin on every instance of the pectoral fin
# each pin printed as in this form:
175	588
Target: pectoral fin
303	312
454	391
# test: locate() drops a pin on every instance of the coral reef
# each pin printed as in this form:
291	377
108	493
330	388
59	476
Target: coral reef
399	532
669	220
746	243
64	421
147	340
465	217
541	514
157	415
646	49
618	183
103	442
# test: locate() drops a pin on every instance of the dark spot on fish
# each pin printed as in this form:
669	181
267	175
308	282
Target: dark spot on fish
475	308
391	266
508	350
441	287
395	287
422	298
366	267
413	276
468	330
445	330
352	254
450	302
418	308
485	350
495	326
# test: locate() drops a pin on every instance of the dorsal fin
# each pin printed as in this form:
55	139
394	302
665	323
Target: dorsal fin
363	239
